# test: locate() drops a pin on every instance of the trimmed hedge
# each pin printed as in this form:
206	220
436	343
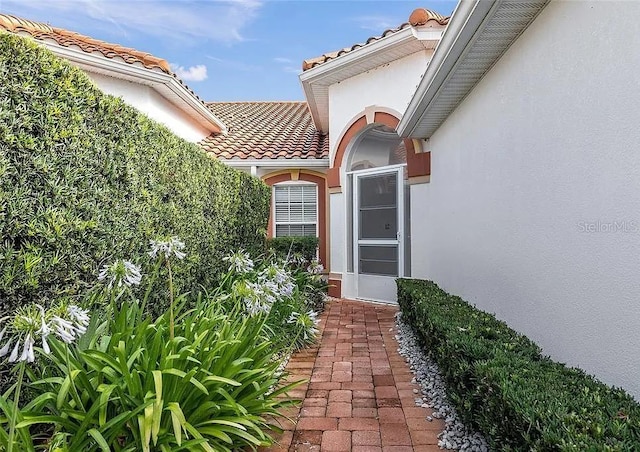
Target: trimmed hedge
501	384
282	246
85	178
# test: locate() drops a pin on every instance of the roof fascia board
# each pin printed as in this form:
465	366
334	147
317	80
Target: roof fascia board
464	26
354	57
158	79
313	108
315	75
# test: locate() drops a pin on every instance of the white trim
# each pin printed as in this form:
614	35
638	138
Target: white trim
164	83
468	22
315	81
295	183
399	240
379	169
278	163
353	57
377	242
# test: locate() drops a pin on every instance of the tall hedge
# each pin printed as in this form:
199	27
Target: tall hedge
85	178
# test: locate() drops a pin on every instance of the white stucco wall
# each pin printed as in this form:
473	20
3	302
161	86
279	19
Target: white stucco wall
389	86
546	147
150	102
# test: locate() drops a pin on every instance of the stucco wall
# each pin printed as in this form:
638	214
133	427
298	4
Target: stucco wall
389	86
150	102
529	173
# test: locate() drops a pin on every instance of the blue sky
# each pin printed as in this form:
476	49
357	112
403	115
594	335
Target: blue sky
228	50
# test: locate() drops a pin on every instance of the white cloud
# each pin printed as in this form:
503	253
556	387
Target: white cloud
287	65
183	21
196	73
376	23
292	69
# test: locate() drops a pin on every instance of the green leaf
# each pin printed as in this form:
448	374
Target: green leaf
224	380
95	434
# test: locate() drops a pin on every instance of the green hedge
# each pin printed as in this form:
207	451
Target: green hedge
285	246
85	178
501	384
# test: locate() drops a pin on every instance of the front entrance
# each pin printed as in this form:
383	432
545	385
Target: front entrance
378	231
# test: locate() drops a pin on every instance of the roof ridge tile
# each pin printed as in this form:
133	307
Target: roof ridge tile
419	17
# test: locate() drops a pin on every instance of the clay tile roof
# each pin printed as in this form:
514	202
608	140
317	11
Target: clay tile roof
68	38
266	130
419	17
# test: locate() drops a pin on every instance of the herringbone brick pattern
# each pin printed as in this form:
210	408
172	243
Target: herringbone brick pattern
359	396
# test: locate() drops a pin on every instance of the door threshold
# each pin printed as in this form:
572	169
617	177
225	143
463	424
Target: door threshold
369	300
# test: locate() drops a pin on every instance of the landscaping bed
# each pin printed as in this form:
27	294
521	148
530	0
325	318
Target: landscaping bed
502	386
116	334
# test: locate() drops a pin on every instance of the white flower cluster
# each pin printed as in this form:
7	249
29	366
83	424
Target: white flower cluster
274	282
168	248
298	259
315	267
308	321
257	300
67	322
240	262
277	280
120	273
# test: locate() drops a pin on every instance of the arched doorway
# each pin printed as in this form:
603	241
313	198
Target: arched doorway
379	235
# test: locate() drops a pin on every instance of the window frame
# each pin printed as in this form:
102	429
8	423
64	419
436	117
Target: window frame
274	207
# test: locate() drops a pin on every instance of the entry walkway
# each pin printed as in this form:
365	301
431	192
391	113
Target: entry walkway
359	396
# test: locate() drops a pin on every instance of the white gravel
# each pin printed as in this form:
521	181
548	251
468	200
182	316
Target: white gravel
432	395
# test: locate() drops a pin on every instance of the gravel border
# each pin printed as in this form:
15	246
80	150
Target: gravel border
455	436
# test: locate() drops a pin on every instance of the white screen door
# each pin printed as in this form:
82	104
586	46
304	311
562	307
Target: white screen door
378	232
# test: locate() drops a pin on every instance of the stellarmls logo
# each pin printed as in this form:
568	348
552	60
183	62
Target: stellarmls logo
609	227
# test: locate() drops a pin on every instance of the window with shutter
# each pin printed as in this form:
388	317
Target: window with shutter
296	210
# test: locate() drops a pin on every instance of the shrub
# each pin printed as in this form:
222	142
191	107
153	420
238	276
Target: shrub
280	289
202	379
208	388
86	179
286	247
501	384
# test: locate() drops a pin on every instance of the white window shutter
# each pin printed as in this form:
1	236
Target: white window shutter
296	210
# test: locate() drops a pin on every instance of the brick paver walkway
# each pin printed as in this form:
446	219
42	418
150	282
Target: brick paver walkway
359	396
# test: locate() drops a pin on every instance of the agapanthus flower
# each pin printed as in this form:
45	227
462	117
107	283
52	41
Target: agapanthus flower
171	247
298	258
13	357
120	273
27	350
69	322
278	280
308	321
44	330
79	317
240	262
255	298
24	326
64	329
315	267
33	323
5	348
